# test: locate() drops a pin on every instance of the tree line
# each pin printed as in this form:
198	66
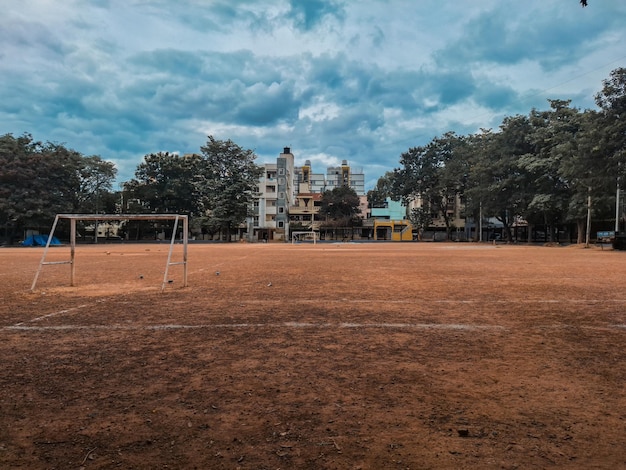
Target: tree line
215	187
544	167
39	180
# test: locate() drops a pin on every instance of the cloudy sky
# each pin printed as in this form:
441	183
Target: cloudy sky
360	80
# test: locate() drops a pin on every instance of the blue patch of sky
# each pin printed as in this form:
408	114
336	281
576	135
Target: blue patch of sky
307	14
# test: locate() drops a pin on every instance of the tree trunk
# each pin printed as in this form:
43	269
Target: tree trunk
581	229
508	235
446	219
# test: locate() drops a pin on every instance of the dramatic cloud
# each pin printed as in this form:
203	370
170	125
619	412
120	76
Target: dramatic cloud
332	79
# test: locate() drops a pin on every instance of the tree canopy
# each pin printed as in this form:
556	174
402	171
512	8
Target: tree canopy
340	206
384	189
541	167
166	182
39	180
216	186
228	178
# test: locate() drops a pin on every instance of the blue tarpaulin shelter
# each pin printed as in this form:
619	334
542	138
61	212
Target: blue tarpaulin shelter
40	240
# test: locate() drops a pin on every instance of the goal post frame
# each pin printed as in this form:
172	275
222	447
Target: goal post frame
295	235
102	217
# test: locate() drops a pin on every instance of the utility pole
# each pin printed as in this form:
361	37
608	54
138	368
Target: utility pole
617	211
480	221
588	217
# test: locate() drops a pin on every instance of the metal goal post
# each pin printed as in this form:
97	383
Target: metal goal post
295	236
177	218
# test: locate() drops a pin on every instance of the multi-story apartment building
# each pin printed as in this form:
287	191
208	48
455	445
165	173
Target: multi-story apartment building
291	195
276	193
344	175
309	189
312	185
335	176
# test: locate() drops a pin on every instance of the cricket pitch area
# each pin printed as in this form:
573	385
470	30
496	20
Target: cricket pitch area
328	356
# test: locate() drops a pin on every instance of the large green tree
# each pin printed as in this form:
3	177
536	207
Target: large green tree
340	205
39	180
604	144
610	126
506	192
480	160
227	181
435	173
553	139
588	173
95	191
167	183
384	188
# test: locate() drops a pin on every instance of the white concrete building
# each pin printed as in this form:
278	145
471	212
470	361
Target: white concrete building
345	175
276	193
289	194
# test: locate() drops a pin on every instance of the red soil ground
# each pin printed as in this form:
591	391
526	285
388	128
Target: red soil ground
333	356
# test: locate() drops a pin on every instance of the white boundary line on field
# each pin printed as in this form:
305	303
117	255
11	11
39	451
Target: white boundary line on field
436	301
294	325
49	315
299	325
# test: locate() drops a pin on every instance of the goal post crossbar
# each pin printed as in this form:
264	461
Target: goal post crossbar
98	217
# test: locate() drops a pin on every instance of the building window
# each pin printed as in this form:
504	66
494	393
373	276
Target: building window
281	224
281	210
281	171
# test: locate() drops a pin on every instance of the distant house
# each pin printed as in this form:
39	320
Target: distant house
451	210
390	221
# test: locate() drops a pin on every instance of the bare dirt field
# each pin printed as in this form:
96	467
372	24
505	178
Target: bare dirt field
333	356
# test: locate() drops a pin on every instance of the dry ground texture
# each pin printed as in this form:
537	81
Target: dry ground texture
357	356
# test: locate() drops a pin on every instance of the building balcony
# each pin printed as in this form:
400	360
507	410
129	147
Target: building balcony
301	210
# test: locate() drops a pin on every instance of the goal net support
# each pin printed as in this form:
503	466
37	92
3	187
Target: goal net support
73	218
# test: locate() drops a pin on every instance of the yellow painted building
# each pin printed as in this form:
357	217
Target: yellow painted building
394	230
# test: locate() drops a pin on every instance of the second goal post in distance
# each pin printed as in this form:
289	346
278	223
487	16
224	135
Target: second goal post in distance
305	236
